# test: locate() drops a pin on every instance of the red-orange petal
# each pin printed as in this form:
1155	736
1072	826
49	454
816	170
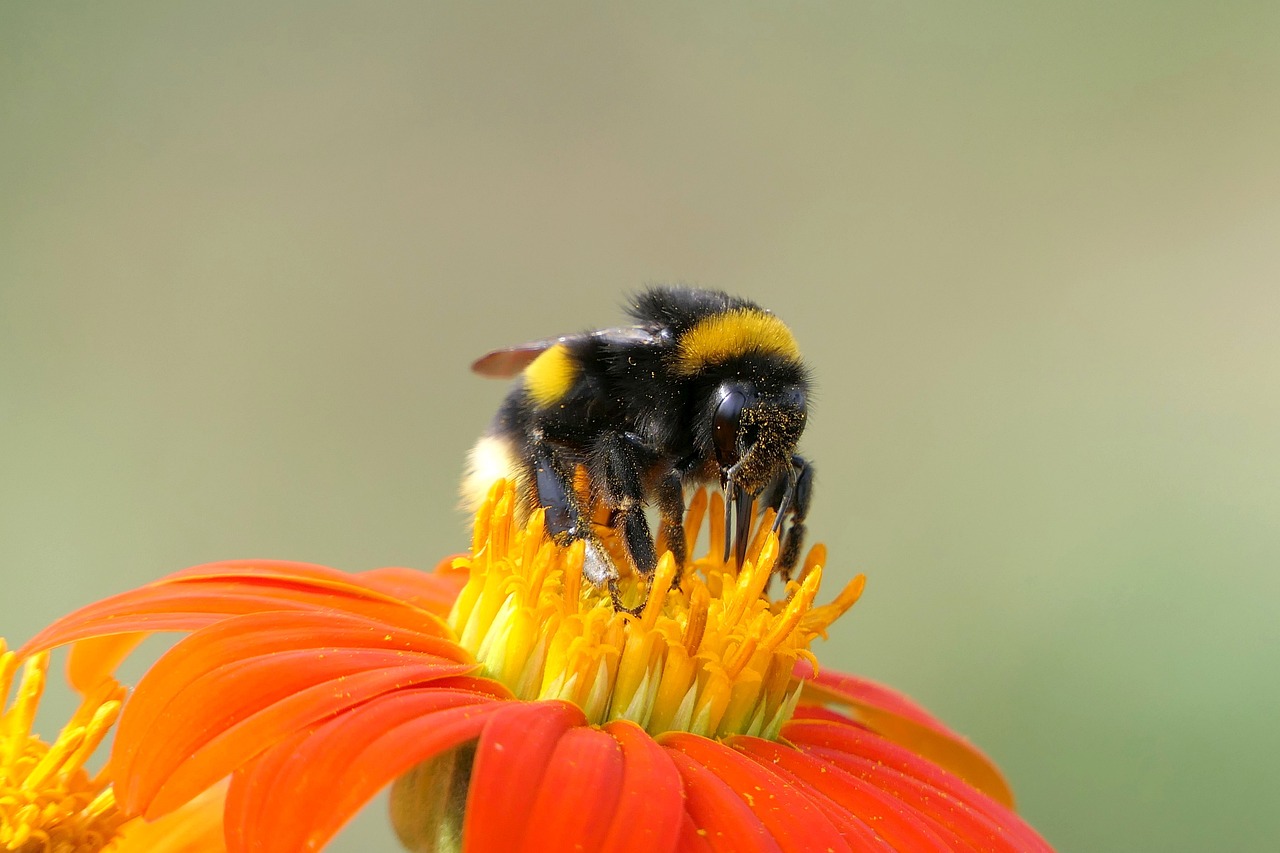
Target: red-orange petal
434	591
511	757
842	687
298	794
807	711
233	689
963	827
932	790
195	828
793	820
576	800
194	598
650	806
717	813
887	821
93	661
903	721
283	574
692	839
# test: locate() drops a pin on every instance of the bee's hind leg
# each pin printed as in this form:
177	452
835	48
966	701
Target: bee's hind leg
564	515
554	483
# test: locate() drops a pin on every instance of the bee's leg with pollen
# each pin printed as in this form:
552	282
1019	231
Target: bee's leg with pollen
564	520
618	460
615	595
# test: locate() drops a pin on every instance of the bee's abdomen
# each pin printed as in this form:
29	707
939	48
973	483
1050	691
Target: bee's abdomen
493	457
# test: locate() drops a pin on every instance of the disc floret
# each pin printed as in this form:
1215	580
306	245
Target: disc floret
713	654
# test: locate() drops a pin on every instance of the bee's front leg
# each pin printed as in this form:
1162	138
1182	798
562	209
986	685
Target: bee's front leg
789	495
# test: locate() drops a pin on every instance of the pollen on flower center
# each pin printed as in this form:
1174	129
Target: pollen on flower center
713	656
48	802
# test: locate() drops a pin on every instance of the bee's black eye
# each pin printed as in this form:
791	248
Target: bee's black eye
725	424
794	398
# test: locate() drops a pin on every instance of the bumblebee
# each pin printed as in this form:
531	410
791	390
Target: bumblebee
704	388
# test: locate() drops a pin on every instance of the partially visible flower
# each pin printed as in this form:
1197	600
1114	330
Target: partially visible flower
521	712
50	803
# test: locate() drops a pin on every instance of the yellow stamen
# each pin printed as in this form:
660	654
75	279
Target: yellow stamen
677	683
710	704
662	578
818	619
795	610
743	704
693	519
573	576
763	528
817	557
699	604
48	801
714	655
717	531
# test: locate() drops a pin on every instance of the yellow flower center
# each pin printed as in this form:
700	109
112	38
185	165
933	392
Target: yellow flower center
713	656
48	802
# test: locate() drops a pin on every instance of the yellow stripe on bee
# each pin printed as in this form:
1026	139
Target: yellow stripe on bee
731	334
550	376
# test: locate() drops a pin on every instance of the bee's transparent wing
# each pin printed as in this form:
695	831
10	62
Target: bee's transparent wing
510	361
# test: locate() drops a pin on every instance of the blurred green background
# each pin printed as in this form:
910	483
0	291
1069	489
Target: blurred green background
246	254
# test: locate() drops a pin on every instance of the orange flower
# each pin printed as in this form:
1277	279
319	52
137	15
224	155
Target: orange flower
519	711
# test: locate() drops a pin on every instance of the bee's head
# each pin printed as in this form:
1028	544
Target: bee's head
755	436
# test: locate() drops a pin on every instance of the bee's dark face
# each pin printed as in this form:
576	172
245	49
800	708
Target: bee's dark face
768	435
755	438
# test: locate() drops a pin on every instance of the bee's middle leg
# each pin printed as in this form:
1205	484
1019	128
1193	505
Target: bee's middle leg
670	495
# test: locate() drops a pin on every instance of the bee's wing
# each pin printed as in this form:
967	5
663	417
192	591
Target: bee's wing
509	361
